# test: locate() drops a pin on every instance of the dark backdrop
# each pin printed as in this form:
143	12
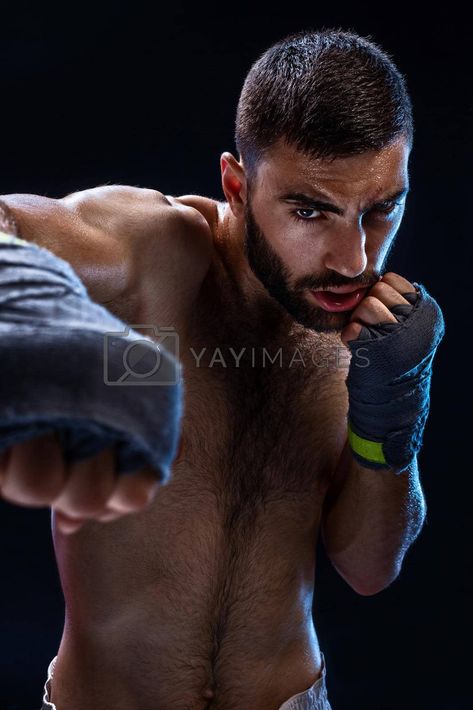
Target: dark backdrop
122	93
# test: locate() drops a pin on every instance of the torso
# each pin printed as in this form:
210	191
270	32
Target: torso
205	599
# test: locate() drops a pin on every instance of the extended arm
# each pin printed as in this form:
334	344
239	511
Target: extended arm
137	253
98	255
117	239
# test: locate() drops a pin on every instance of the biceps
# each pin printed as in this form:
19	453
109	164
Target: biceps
55	225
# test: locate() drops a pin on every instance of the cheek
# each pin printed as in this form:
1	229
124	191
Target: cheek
300	250
289	240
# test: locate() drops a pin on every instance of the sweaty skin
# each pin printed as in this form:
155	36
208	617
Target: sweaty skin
204	599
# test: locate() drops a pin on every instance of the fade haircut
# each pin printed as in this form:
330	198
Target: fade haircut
329	93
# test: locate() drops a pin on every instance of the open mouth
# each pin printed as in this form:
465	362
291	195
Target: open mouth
331	301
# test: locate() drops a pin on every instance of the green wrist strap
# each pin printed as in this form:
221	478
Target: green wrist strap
369	450
11	239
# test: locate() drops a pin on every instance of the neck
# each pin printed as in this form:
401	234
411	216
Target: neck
267	316
231	237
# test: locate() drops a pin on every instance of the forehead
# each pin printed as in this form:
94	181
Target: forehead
370	173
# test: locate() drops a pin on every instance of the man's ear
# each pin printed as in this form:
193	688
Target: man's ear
233	183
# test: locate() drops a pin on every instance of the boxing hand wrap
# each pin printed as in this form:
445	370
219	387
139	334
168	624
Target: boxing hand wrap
389	383
66	362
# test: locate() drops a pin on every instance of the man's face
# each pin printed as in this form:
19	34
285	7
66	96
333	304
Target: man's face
314	225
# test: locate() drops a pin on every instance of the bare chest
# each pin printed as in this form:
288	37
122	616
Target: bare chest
259	425
220	569
264	406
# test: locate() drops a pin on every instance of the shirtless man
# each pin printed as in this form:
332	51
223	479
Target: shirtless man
202	598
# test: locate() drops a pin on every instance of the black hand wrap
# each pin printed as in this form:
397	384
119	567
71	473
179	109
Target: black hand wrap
389	382
61	352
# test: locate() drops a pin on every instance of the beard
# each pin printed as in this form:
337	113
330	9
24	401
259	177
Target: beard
275	277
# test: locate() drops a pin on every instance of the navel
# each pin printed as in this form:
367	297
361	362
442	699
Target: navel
208	693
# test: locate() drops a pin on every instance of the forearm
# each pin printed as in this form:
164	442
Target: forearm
368	527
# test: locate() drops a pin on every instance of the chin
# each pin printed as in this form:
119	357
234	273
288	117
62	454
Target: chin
319	320
324	327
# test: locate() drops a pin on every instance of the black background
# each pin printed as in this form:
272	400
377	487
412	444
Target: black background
145	95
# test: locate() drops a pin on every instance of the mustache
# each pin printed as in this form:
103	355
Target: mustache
334	279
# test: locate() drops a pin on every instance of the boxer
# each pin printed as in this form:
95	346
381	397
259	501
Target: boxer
306	370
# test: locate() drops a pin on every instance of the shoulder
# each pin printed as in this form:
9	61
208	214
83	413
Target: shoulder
133	212
151	231
197	217
206	207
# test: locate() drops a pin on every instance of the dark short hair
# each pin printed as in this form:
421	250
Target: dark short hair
330	93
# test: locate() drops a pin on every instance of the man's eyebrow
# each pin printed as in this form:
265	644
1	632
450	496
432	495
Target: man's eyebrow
317	201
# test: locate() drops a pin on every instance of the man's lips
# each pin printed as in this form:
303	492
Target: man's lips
343	298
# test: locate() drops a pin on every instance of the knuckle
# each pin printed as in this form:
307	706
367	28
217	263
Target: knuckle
45	488
27	486
381	288
85	503
370	301
132	500
109	516
88	485
131	493
88	506
396	281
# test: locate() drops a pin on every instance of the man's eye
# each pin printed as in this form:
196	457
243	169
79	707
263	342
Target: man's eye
299	215
387	207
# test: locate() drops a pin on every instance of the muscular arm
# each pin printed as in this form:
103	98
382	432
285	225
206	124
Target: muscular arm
370	518
99	257
139	253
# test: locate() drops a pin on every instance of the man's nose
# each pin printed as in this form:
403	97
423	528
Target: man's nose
345	251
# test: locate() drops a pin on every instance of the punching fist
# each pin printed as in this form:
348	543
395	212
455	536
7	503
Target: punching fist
68	437
35	474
